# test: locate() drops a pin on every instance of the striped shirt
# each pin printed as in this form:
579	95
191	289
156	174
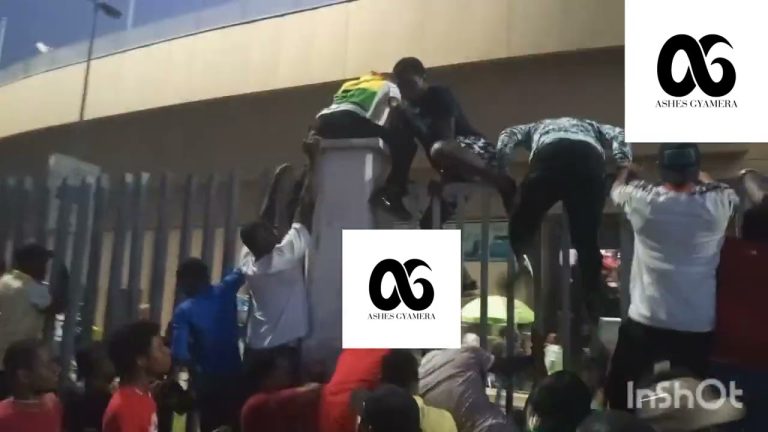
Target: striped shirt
368	96
678	236
534	136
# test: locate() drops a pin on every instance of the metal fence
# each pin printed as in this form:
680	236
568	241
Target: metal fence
121	238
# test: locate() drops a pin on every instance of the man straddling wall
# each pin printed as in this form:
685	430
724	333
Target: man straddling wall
455	148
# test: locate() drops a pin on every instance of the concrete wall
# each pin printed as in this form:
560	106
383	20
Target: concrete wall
311	47
251	131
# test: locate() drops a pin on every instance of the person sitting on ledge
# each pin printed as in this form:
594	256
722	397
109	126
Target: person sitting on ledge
362	108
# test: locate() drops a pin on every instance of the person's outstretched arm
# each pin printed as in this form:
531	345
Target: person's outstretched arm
180	338
306	208
753	184
269	207
231	283
515	137
621	151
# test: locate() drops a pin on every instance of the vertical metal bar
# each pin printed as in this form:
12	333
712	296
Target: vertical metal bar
4	222
627	245
83	197
230	227
185	236
65	196
565	289
436	201
3	27
21	209
94	260
42	203
160	255
485	244
12	210
115	316
209	230
130	14
510	334
137	244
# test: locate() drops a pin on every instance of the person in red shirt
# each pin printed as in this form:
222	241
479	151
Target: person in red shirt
355	369
140	357
741	344
32	376
287	410
277	407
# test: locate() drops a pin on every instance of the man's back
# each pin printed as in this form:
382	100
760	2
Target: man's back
31	416
276	283
678	236
453	380
21	302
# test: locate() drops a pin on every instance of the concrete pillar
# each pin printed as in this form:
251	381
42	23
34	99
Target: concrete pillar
347	172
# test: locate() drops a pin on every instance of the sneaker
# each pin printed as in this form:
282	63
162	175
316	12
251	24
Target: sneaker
390	205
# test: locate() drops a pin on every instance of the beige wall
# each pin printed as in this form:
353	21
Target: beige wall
253	131
311	47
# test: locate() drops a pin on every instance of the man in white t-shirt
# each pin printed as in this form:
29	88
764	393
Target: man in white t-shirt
679	228
26	301
274	268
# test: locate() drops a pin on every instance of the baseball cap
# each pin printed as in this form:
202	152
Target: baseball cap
559	402
693	413
388	408
614	421
679	162
31	251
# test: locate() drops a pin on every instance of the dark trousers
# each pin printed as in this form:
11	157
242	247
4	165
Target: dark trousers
286	359
219	400
640	347
4	388
401	145
572	172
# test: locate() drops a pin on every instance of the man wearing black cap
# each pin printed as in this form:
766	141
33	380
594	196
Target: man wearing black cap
25	298
386	409
679	228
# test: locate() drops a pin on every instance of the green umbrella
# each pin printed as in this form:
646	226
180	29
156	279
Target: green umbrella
497	311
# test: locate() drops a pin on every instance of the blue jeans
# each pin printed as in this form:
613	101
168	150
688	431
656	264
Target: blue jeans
754	384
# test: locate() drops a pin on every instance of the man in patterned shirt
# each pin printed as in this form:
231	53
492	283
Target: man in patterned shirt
567	163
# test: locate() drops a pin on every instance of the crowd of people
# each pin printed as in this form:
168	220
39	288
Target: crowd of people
131	383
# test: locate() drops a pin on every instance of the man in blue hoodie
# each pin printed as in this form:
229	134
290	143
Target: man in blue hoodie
205	340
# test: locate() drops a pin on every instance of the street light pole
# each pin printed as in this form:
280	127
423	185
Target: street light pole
88	60
111	12
3	25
